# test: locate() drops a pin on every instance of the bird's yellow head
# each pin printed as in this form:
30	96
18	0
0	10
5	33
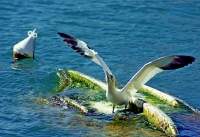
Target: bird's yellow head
110	79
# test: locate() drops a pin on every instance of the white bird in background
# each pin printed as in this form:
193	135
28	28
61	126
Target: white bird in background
149	70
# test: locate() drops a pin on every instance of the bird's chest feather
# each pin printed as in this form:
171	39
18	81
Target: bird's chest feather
118	98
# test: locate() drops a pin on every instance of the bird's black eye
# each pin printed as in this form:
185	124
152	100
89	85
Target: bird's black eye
111	76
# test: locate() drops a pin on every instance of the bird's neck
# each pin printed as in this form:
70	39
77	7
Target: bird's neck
111	88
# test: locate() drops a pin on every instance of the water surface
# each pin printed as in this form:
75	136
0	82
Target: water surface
126	34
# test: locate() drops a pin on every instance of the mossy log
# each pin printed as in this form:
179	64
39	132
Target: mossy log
75	104
152	113
161	95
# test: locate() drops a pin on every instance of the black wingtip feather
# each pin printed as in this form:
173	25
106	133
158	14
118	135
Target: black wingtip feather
73	43
65	35
67	38
179	62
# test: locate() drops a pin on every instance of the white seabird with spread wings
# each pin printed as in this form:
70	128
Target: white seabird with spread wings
149	70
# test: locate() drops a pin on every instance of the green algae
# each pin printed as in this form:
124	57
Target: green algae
93	92
78	80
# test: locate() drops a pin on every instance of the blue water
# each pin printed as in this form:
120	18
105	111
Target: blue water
126	33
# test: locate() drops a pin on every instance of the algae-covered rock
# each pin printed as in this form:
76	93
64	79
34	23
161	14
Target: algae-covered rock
154	115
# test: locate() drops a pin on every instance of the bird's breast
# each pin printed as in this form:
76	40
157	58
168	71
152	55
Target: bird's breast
118	98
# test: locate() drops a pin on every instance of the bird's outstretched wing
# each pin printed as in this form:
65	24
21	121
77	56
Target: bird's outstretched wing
150	69
83	49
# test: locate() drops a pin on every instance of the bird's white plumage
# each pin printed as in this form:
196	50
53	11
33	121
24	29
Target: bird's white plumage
102	64
81	44
93	54
88	52
149	70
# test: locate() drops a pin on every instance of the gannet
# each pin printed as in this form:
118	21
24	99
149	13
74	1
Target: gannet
122	96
